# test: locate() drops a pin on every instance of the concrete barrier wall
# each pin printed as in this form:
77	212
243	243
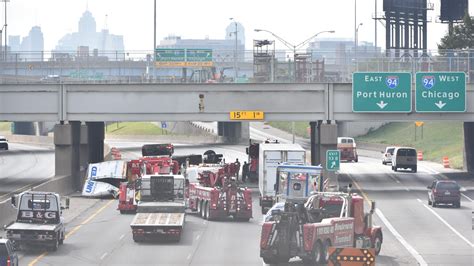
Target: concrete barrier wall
42	140
167	139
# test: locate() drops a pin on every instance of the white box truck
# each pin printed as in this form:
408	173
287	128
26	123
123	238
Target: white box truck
270	156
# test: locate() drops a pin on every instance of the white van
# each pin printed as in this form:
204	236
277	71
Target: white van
404	157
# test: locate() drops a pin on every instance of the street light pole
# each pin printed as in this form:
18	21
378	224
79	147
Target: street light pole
236	73
294	47
5	26
154	39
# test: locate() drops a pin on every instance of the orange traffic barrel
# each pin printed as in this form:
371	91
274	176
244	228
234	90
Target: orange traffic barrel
420	156
446	162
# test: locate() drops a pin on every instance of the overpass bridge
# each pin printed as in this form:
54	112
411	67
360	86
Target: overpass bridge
79	143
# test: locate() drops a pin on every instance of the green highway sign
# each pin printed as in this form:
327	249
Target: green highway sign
183	57
333	160
381	92
440	92
166	55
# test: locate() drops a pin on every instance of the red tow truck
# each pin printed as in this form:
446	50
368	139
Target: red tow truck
160	162
217	194
306	229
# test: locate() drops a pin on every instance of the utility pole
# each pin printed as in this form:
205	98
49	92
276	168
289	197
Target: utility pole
154	39
236	73
375	20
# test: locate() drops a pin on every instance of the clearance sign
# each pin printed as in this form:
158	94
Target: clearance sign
351	257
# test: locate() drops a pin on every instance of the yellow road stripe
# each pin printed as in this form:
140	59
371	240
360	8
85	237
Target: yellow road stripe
74	230
360	189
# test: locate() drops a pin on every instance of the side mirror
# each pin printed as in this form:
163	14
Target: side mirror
428	187
13	201
382	152
247	150
67	203
372	207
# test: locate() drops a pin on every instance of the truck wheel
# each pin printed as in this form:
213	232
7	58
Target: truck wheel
203	210
207	208
377	245
198	206
136	239
55	245
317	256
414	169
61	240
326	246
457	204
270	260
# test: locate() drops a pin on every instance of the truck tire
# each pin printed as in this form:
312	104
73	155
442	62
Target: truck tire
203	210
377	245
317	257
207	208
326	246
198	206
457	204
55	245
270	260
61	240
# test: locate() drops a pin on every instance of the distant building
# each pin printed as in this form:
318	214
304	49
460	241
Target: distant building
14	42
230	31
32	46
107	44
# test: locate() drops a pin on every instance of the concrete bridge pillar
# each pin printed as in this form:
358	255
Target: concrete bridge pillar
323	138
96	135
67	139
469	146
234	132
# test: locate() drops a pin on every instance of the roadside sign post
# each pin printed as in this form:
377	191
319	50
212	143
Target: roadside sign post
440	92
333	160
381	92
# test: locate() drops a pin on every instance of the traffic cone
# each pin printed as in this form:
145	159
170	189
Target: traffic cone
420	156
446	162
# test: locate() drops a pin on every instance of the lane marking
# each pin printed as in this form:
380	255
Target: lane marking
122	236
38	258
189	256
447	224
392	229
400	238
469	199
103	256
32	263
198	236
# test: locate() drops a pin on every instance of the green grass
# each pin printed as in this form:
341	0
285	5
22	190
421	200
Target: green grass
301	128
5	126
439	139
134	128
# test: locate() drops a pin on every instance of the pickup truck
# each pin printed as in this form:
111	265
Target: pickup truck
39	220
161	208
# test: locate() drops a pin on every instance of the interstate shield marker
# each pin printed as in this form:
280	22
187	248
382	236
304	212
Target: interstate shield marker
439	92
381	92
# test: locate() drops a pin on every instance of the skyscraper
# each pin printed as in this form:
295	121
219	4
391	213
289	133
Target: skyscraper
33	45
87	35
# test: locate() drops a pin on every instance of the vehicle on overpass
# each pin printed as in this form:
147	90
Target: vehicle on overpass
161	208
387	155
8	256
270	155
406	158
307	228
348	148
3	143
444	192
39	220
217	194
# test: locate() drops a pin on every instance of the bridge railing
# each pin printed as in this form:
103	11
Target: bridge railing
280	66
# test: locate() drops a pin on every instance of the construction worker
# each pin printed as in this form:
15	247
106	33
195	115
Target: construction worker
237	166
245	171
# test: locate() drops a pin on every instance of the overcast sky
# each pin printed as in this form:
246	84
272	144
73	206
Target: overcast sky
294	20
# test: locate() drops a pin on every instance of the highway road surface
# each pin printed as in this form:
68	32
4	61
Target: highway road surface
24	166
414	233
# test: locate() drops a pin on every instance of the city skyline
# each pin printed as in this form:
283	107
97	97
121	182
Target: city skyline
201	20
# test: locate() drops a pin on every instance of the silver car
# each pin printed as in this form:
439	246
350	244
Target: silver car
387	155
